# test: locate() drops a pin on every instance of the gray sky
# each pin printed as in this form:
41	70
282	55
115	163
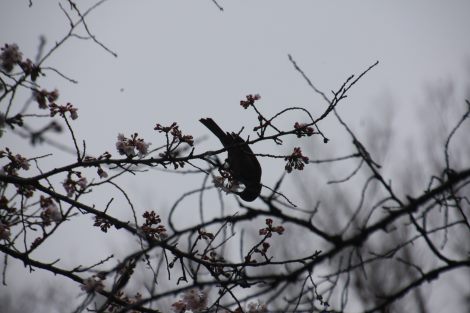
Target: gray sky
183	60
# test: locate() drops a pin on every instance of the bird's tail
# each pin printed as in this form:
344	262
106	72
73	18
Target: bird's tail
216	130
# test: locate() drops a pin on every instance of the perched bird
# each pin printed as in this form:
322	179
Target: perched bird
243	164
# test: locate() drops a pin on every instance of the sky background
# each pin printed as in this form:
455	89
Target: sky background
183	60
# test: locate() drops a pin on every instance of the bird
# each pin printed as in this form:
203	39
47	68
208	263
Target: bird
242	163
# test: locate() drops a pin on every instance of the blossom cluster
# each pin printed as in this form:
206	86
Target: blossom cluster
93	284
47	99
175	132
43	97
17	162
254	307
50	211
114	307
129	146
11	55
296	160
62	109
263	247
152	227
102	223
226	182
194	300
267	231
250	100
302	130
251	307
72	185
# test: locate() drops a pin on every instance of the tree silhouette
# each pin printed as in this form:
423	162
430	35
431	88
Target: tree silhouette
370	242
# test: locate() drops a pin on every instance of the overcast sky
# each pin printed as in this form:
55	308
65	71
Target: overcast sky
183	60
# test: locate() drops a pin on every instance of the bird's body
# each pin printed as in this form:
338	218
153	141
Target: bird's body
243	164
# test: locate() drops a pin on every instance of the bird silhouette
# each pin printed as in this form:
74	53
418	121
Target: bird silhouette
243	164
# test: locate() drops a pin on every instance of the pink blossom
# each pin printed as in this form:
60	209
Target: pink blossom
22	162
193	299
92	284
69	187
255	307
124	147
51	214
82	182
128	146
10	56
142	147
